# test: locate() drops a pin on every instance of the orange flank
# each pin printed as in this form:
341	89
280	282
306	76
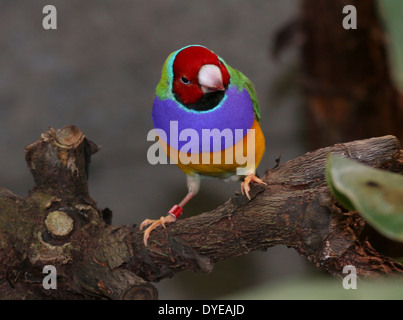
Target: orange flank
225	161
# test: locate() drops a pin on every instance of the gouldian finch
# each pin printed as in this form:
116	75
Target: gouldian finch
199	91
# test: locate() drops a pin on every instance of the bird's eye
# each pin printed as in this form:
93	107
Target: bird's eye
185	80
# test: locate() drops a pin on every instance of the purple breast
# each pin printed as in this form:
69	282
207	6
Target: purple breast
199	130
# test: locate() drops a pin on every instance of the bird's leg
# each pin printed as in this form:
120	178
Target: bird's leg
173	214
248	179
193	182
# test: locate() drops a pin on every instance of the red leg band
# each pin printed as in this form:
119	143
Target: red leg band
176	211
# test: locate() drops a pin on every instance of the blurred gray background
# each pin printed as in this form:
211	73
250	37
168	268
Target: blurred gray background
99	69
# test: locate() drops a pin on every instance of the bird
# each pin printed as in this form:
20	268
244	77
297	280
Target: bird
199	91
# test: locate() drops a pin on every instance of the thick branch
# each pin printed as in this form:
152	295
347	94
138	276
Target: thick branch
296	209
59	224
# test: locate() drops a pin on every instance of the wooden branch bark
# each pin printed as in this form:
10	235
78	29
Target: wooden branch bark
59	224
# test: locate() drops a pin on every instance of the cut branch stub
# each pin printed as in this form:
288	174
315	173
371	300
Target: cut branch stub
59	224
60	160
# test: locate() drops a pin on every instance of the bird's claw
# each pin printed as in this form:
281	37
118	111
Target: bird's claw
245	188
154	224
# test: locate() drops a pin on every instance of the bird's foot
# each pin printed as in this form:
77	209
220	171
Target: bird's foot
245	188
154	224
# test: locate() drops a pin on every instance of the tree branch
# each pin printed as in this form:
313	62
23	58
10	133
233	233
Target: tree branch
59	224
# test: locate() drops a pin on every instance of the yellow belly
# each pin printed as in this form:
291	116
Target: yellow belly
227	161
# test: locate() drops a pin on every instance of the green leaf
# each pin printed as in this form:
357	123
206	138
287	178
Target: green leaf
392	13
376	194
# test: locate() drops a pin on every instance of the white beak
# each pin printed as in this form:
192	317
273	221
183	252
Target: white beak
210	78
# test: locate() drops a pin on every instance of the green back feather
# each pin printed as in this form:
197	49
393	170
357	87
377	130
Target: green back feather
164	87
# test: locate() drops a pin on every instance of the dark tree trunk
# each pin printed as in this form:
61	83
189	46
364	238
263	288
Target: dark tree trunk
347	82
